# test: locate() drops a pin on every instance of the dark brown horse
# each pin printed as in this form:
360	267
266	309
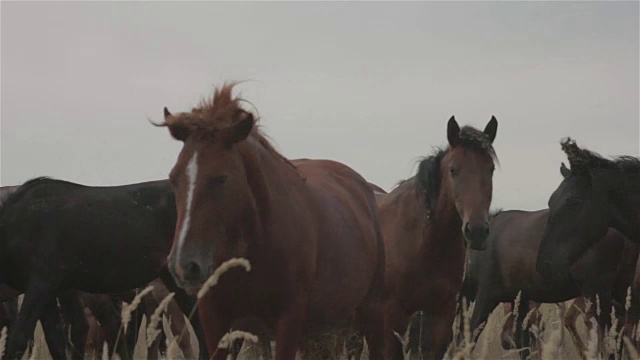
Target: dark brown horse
425	221
57	236
595	194
308	227
507	267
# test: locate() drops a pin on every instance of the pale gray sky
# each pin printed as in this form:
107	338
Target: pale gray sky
368	84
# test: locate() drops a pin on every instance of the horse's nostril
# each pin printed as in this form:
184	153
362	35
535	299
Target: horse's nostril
191	270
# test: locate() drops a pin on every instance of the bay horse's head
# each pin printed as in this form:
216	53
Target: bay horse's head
215	205
595	194
464	174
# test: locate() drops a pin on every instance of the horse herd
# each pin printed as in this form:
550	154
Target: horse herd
327	249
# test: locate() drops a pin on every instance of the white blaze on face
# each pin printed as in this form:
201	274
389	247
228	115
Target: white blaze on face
192	173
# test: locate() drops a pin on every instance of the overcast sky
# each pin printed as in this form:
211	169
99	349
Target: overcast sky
368	84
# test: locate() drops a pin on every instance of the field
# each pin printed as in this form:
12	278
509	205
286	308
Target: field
554	345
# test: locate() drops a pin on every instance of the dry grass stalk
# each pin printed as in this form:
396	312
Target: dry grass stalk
627	303
525	322
127	309
610	339
591	352
215	277
631	350
105	351
152	330
598	310
551	348
516	306
3	341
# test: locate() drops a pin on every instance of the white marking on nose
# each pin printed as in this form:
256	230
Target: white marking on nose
192	173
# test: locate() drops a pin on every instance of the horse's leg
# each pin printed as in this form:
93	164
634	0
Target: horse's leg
484	305
522	336
107	315
417	340
178	324
215	324
370	323
507	339
53	329
187	303
440	330
289	329
38	297
73	313
396	322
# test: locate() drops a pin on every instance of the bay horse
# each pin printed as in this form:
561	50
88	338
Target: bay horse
425	221
507	267
308	227
56	235
595	194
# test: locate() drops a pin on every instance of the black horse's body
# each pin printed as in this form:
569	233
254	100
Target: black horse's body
56	235
508	266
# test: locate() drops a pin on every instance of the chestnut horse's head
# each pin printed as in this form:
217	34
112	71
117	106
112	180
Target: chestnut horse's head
464	173
215	204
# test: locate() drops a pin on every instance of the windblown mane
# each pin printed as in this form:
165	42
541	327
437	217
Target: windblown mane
585	160
216	113
428	174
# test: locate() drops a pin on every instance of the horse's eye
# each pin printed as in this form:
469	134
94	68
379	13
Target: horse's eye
453	171
219	180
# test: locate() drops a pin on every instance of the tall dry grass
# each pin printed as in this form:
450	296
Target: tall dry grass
546	324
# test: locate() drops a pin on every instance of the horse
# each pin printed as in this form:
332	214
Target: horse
309	229
595	194
506	268
57	235
425	221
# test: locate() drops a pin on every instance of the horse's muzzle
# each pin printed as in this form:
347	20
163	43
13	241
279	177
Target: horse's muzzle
476	235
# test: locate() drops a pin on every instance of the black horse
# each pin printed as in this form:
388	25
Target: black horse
57	235
507	266
596	194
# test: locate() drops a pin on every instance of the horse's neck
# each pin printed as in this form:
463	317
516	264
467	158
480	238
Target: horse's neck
628	199
270	177
445	225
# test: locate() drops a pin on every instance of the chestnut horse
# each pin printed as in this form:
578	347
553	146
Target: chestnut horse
308	227
424	222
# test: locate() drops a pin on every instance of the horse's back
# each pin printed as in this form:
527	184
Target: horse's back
87	234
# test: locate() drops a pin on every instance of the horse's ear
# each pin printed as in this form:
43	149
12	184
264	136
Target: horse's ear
240	130
178	131
564	170
491	129
453	131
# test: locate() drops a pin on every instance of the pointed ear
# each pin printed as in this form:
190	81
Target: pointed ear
240	130
178	131
491	129
564	171
453	132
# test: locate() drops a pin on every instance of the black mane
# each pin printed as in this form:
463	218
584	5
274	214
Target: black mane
585	160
